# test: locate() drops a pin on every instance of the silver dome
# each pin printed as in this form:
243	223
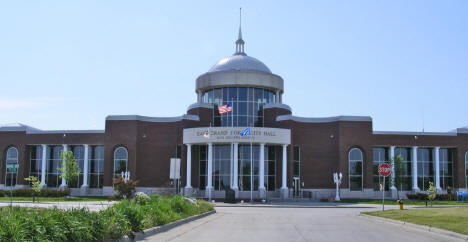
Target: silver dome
239	62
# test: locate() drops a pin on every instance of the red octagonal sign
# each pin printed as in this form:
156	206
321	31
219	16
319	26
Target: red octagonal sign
384	169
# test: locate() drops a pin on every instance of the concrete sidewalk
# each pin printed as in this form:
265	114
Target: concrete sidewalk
92	206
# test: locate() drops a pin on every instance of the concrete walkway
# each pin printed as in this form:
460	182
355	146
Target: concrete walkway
263	223
92	206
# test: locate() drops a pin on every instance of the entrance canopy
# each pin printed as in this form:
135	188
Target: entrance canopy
232	134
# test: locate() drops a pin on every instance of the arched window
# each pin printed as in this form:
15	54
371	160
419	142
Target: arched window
11	159
355	169
120	160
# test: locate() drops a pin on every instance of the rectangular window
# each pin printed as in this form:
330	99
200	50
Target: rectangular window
178	151
96	166
35	161
297	162
425	168
270	168
446	168
203	168
53	162
405	154
380	155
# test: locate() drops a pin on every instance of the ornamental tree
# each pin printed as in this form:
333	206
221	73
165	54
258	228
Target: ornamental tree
431	192
398	175
69	169
36	186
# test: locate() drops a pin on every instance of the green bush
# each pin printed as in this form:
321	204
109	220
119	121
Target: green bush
417	196
439	197
124	218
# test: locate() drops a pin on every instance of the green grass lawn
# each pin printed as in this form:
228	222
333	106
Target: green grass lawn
454	219
406	202
55	199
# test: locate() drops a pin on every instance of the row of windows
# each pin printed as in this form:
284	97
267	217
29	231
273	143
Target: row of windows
221	173
425	163
222	169
247	105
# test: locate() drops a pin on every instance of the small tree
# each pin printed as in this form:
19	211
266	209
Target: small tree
431	192
398	174
36	186
69	170
124	188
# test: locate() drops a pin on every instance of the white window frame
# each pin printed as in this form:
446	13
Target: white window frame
349	168
126	163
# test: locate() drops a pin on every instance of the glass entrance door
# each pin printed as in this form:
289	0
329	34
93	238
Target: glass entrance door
247	154
297	187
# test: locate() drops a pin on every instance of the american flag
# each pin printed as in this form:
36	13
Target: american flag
226	108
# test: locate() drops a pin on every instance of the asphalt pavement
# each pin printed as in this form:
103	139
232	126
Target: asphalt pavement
263	223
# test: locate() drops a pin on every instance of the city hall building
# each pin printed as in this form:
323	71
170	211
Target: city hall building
284	156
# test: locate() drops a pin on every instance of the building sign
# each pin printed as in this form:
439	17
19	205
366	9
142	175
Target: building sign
229	134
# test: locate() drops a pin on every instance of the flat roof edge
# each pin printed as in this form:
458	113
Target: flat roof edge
415	133
200	105
325	120
152	119
277	105
66	132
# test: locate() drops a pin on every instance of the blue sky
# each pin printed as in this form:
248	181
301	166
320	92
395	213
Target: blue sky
67	65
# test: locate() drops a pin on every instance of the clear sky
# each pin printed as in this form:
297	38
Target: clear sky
69	64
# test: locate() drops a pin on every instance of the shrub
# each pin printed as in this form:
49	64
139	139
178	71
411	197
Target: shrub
31	193
142	198
124	218
417	196
439	197
124	189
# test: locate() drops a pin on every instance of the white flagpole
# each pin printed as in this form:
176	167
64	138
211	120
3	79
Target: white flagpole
232	143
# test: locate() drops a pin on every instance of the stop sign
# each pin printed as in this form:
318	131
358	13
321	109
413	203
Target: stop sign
384	169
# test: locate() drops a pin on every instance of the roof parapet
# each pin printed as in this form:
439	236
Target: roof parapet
153	119
324	120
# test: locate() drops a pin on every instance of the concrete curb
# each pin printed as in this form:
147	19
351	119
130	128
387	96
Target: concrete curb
284	206
417	226
163	228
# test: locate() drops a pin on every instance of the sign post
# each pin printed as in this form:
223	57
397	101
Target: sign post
175	173
384	170
11	168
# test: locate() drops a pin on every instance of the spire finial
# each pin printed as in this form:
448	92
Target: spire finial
240	42
240	23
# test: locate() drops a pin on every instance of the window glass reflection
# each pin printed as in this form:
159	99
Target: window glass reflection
247	104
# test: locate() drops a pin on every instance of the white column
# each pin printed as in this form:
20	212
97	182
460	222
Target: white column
85	166
235	184
414	164
209	185
64	182
284	170
43	165
278	96
437	167
392	158
261	179
189	166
